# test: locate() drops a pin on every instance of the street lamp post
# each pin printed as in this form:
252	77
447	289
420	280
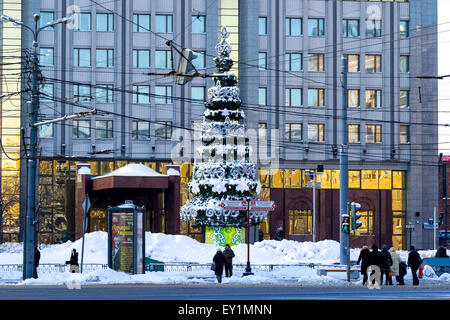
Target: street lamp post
314	185
29	231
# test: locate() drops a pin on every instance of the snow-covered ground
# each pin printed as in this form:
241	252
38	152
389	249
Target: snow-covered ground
178	248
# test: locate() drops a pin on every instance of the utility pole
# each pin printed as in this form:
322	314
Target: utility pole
444	195
343	167
314	185
29	230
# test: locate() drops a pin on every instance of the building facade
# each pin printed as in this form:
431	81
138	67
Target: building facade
288	58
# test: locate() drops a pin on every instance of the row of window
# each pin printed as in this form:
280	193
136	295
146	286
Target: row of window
316	62
141	22
316	132
316	97
104	129
316	27
104	58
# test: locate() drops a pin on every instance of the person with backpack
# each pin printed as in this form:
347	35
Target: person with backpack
396	268
414	262
387	263
364	258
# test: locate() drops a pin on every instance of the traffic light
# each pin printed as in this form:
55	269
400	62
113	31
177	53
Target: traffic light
355	207
345	223
185	65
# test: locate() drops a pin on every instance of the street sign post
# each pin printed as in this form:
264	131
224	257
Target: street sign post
249	205
86	207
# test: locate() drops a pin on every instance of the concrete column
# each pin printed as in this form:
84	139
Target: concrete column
173	200
83	187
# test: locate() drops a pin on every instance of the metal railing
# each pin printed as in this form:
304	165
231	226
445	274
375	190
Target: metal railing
52	267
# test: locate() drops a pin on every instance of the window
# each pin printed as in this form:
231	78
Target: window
200	61
262	96
353	133
162	59
350	28
373	63
141	94
81	57
163	23
262	60
293	62
104	93
367	223
46	92
262	25
46	130
373	133
141	58
404	29
404	99
316	97
373	98
294	97
300	221
104	129
198	95
316	62
105	22
104	58
353	98
294	27
163	94
141	23
46	17
316	27
46	58
373	28
198	24
163	130
353	63
81	129
140	130
404	64
82	93
293	132
404	134
81	22
316	132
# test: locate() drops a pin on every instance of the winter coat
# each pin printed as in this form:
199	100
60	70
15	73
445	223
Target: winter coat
376	258
219	260
279	235
37	257
229	255
402	269
395	263
387	260
414	259
364	258
74	259
441	253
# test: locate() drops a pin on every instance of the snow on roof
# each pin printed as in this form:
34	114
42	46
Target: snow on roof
172	172
134	170
84	170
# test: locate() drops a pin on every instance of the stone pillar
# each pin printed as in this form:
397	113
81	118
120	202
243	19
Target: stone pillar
173	200
82	188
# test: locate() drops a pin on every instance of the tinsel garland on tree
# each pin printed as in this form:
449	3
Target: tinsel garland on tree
225	171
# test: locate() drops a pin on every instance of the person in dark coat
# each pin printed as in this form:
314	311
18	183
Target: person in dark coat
414	262
73	258
376	258
279	234
219	260
364	258
441	252
37	257
387	263
229	255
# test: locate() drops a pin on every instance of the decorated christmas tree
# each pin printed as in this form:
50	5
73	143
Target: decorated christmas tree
224	171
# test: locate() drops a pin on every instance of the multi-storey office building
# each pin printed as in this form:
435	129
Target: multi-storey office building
288	57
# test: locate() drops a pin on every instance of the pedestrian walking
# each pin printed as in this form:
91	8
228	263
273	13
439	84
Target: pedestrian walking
396	261
441	252
219	261
37	257
376	259
414	262
229	255
364	258
73	262
387	263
